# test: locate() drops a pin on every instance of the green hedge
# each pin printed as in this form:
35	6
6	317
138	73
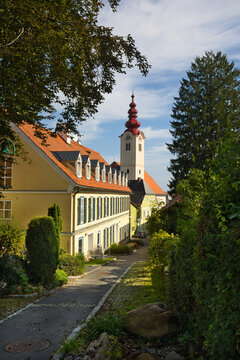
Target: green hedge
60	278
73	265
121	248
42	249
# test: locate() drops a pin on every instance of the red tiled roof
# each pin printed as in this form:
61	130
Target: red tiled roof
153	185
58	144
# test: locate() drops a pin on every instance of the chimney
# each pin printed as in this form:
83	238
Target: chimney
65	136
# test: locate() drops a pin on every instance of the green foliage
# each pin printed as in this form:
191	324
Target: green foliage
204	269
137	241
50	48
13	275
160	248
60	278
203	114
12	239
73	265
55	212
112	324
121	248
42	249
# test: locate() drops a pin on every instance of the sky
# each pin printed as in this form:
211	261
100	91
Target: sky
170	33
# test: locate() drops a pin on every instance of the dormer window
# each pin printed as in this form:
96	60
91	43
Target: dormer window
88	170
115	178
126	179
103	175
97	173
110	177
119	178
79	168
123	180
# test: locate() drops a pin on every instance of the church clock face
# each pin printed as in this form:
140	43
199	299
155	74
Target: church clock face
128	137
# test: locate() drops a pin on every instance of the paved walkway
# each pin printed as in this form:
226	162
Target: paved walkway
53	318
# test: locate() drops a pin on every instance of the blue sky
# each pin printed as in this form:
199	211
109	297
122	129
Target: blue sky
171	33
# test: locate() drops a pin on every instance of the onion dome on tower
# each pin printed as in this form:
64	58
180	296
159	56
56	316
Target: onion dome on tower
133	124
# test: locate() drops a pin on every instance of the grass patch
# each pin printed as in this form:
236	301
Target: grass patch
10	305
99	261
134	290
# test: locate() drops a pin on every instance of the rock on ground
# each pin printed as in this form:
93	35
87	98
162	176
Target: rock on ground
152	321
173	356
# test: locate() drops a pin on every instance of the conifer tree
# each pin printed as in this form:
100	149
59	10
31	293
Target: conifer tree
205	112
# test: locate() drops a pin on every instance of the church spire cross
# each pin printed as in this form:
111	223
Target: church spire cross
133	124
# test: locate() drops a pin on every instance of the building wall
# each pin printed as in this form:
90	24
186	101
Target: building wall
99	230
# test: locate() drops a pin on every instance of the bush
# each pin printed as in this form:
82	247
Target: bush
73	265
42	249
121	248
12	239
160	248
55	212
112	324
12	275
136	240
60	278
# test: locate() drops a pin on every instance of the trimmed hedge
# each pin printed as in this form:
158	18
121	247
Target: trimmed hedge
121	248
73	265
42	249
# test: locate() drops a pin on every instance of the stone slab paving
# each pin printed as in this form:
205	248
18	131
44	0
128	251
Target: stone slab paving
53	318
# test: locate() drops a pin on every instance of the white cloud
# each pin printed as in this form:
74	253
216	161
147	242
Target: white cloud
152	133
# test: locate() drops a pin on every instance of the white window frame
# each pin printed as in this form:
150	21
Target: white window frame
81	238
79	168
97	173
3	209
4	176
88	170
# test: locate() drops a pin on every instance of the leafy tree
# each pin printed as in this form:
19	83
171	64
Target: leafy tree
55	53
206	110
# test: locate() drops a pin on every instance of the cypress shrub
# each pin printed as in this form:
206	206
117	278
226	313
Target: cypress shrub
55	212
42	249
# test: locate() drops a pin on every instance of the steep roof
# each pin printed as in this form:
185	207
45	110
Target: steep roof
57	144
153	185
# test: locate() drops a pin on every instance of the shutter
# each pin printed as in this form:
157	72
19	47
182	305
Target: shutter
85	210
79	211
94	208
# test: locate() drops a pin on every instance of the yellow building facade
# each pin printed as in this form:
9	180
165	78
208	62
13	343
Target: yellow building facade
94	206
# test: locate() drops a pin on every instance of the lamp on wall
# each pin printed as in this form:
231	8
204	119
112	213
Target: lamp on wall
7	148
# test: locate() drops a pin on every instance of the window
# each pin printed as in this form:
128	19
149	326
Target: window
111	206
128	146
109	177
119	179
80	244
140	147
97	173
6	173
111	234
99	207
99	239
103	175
80	211
79	169
115	178
127	171
91	209
6	209
105	238
88	171
139	171
105	206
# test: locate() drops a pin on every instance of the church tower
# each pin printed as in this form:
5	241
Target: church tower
132	146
